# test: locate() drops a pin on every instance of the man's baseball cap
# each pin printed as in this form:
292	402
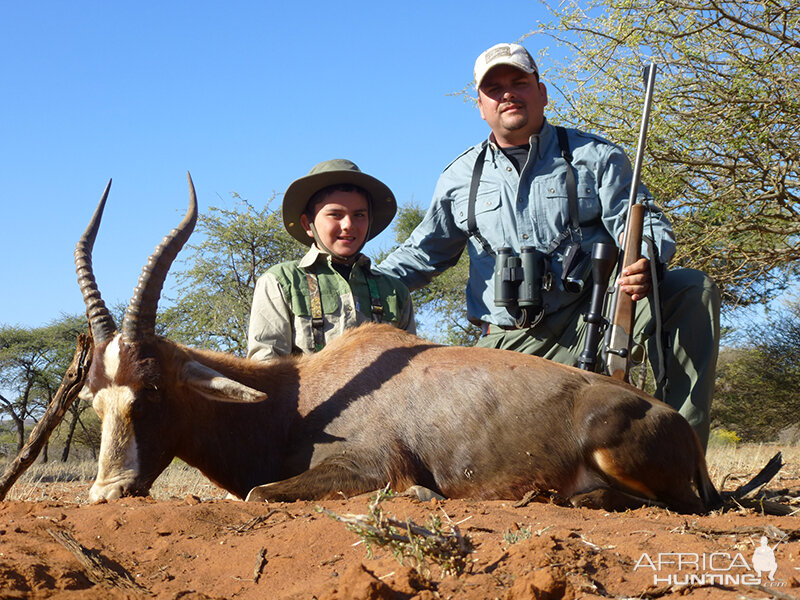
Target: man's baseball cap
504	54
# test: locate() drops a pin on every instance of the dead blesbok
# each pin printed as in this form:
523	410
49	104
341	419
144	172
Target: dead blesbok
376	406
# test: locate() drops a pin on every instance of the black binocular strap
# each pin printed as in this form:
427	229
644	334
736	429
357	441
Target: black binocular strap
572	195
572	192
472	225
572	183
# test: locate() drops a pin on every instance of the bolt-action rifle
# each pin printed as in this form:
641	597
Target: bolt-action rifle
623	309
619	336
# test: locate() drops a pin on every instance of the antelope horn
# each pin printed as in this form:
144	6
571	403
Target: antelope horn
140	318
100	319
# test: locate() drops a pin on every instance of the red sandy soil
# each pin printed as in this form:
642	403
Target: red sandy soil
195	549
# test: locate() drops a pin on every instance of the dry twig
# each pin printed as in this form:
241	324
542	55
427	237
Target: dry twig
773	592
256	521
99	569
261	562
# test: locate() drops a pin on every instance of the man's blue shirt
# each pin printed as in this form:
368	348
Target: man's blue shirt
524	209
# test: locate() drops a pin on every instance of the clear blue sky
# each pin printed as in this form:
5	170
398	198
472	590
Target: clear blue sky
246	95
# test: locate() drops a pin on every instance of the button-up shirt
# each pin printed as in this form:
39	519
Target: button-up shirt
529	208
281	319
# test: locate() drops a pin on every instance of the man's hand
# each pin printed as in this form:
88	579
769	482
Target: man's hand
635	280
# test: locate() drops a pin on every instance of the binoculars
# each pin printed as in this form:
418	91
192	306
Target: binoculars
518	279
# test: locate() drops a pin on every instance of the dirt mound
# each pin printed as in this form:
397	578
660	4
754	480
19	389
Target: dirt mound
192	549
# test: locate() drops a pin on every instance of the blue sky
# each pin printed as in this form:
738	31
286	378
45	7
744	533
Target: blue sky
246	95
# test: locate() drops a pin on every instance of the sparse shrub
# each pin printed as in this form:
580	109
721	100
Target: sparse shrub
723	437
756	392
439	543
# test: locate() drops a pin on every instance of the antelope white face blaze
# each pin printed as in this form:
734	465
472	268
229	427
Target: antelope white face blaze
118	462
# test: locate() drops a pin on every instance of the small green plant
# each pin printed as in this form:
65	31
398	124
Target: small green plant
439	543
521	533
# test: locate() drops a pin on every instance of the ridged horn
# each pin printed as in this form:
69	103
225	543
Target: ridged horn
100	320
140	318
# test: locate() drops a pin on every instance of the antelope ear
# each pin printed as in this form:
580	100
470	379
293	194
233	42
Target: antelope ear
215	386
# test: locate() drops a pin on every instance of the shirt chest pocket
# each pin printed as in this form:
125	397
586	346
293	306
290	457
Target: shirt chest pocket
556	198
301	302
487	214
390	306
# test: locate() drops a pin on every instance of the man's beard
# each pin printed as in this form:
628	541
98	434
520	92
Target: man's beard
515	121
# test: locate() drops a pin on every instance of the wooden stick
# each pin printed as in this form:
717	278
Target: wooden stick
99	568
70	386
261	562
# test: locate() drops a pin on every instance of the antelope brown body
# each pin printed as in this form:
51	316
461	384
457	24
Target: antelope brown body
376	406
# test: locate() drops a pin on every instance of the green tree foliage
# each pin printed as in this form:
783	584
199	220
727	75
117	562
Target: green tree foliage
215	288
440	307
758	386
32	364
723	149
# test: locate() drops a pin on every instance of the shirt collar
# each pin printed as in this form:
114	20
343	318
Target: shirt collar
314	255
540	141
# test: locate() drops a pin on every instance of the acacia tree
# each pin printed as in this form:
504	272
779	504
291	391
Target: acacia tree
32	364
215	287
441	306
723	149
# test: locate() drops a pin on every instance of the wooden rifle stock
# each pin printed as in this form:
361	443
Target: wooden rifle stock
620	337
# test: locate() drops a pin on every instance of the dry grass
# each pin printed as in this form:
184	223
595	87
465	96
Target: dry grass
71	481
731	465
43	481
180	480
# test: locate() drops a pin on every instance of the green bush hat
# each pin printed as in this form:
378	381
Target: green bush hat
332	172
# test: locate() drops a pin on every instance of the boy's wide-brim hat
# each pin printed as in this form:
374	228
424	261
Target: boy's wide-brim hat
334	172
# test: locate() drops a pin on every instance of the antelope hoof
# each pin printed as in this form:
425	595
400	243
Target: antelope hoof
422	494
260	493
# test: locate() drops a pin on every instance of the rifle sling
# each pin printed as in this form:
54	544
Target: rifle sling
374	298
659	365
